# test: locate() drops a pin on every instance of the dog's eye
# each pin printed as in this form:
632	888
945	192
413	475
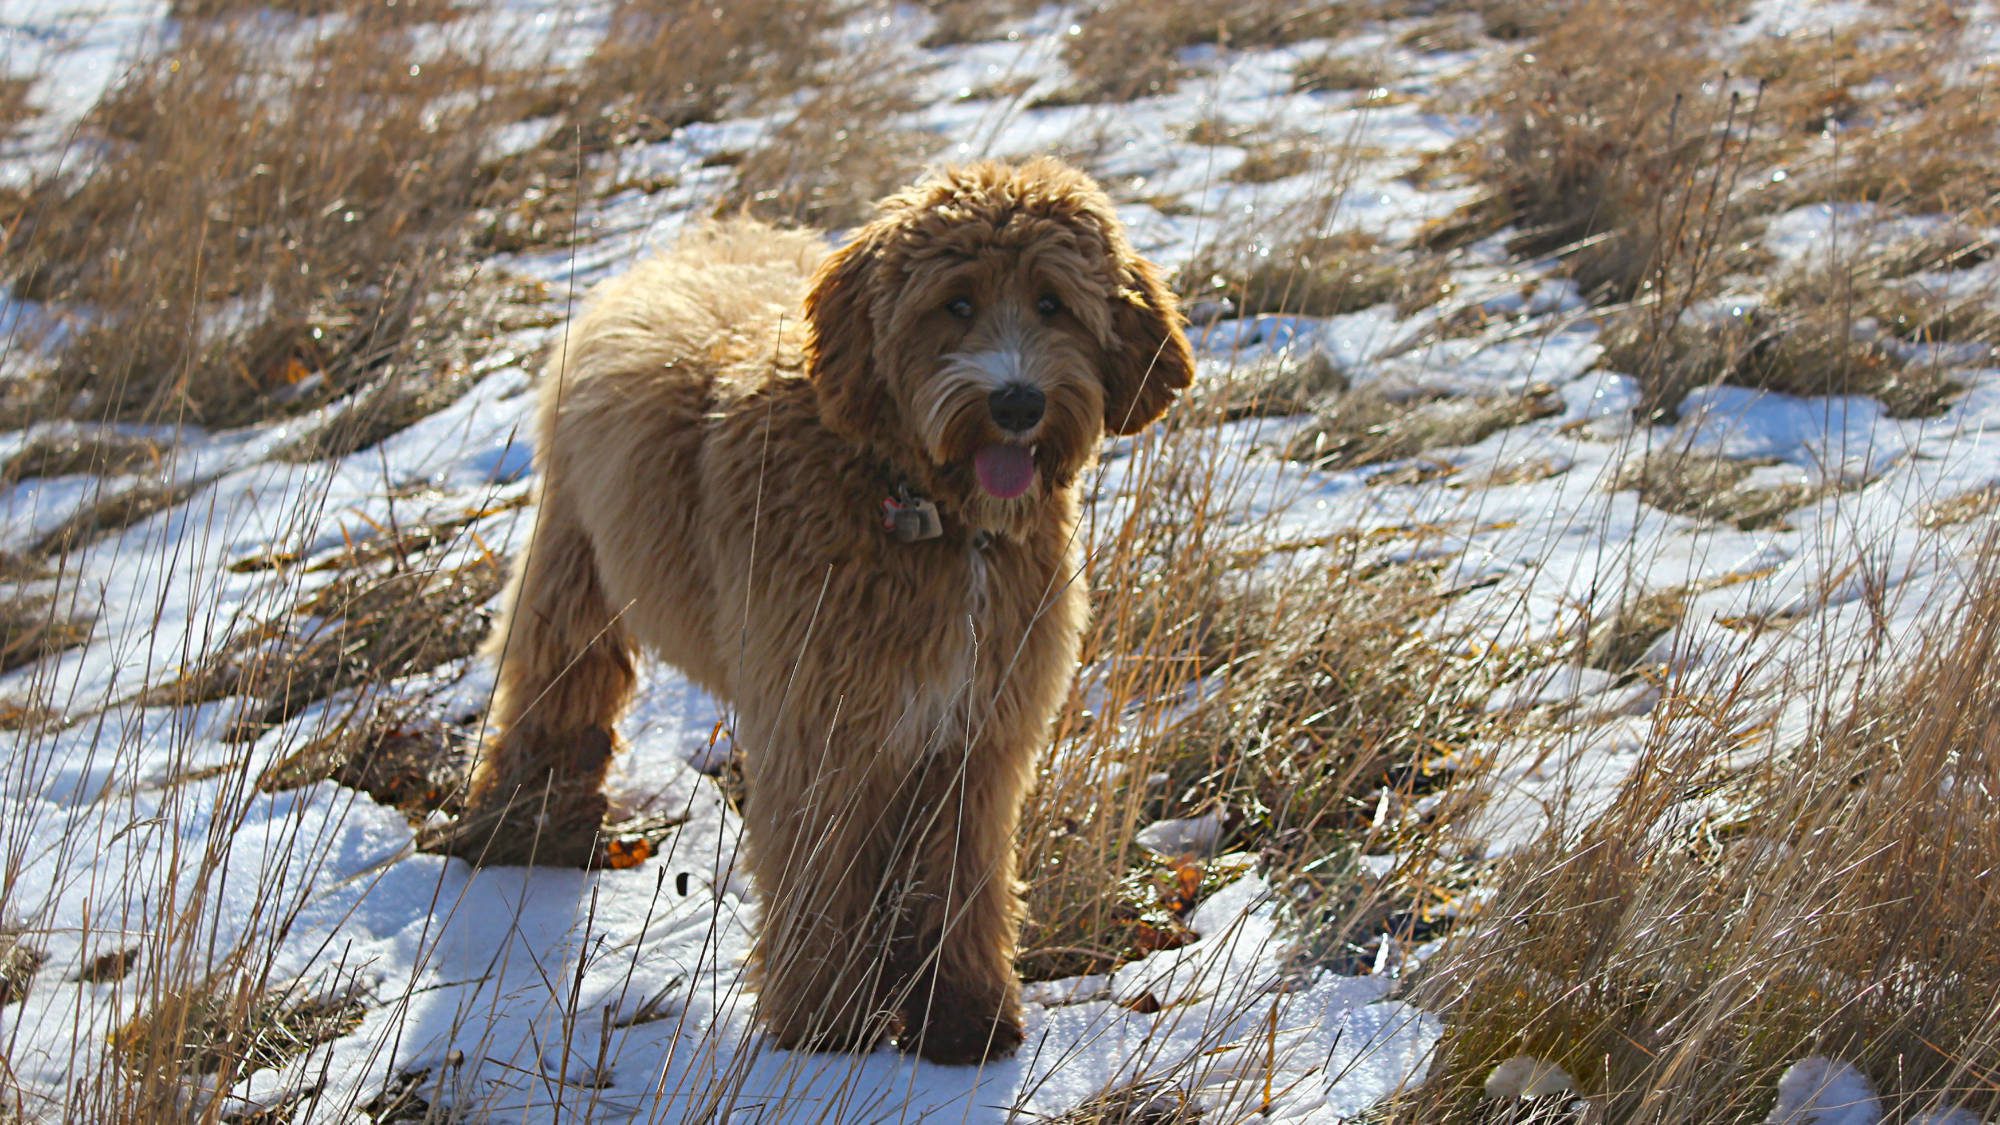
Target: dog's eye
1047	305
959	307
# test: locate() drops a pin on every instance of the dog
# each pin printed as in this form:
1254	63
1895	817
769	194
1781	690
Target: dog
840	492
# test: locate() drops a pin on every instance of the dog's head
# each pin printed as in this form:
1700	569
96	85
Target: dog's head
989	326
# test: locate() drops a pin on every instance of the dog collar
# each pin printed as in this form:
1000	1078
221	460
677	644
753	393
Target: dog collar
909	517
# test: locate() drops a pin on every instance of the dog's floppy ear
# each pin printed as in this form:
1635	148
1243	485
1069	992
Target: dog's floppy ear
1150	361
851	396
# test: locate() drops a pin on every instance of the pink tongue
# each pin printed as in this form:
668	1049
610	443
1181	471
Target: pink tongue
1004	471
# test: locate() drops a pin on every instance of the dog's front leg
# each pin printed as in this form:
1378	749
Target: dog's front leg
822	865
958	994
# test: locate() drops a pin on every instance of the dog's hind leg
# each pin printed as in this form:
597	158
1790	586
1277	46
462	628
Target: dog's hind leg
566	674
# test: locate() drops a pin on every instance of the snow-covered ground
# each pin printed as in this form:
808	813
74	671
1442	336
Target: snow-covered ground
616	995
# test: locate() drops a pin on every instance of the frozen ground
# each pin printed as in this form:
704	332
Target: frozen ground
619	995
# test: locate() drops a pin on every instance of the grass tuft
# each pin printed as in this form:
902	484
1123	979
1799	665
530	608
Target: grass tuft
20	960
115	512
367	627
1620	642
1367	427
1711	488
33	626
227	1029
664	64
1124	49
1613	152
314	202
1316	275
838	152
1812	346
1713	926
102	453
1339	72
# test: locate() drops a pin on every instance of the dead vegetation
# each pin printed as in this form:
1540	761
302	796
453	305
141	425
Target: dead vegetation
1960	509
838	152
33	626
1124	49
1276	158
456	340
1620	642
97	452
1713	926
1331	71
971	21
1315	275
113	510
1308	694
666	63
231	1027
1711	488
20	960
1611	150
314	203
1273	386
367	627
1368	426
400	756
1811	340
14	105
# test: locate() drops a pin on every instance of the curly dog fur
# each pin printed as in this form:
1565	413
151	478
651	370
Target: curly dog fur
717	440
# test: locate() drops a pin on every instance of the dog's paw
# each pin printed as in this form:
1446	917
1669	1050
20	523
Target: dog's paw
501	839
959	1034
845	1036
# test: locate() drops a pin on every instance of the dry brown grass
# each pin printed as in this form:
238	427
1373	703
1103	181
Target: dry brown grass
20	960
227	1027
1276	158
1125	49
1317	689
1715	925
1932	153
1807	341
1365	427
113	510
14	105
1620	642
33	626
98	452
1273	386
665	63
398	755
838	153
1711	488
1316	275
971	21
451	343
390	616
1961	508
259	230
1610	151
1339	72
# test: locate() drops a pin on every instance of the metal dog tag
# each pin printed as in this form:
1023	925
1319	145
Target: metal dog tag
911	519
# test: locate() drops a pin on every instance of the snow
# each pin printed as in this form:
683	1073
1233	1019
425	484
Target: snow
1821	1091
620	994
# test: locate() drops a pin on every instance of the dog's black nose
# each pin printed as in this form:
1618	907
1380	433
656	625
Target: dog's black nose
1016	407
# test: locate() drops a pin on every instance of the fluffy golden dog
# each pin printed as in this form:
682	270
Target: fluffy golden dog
840	493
